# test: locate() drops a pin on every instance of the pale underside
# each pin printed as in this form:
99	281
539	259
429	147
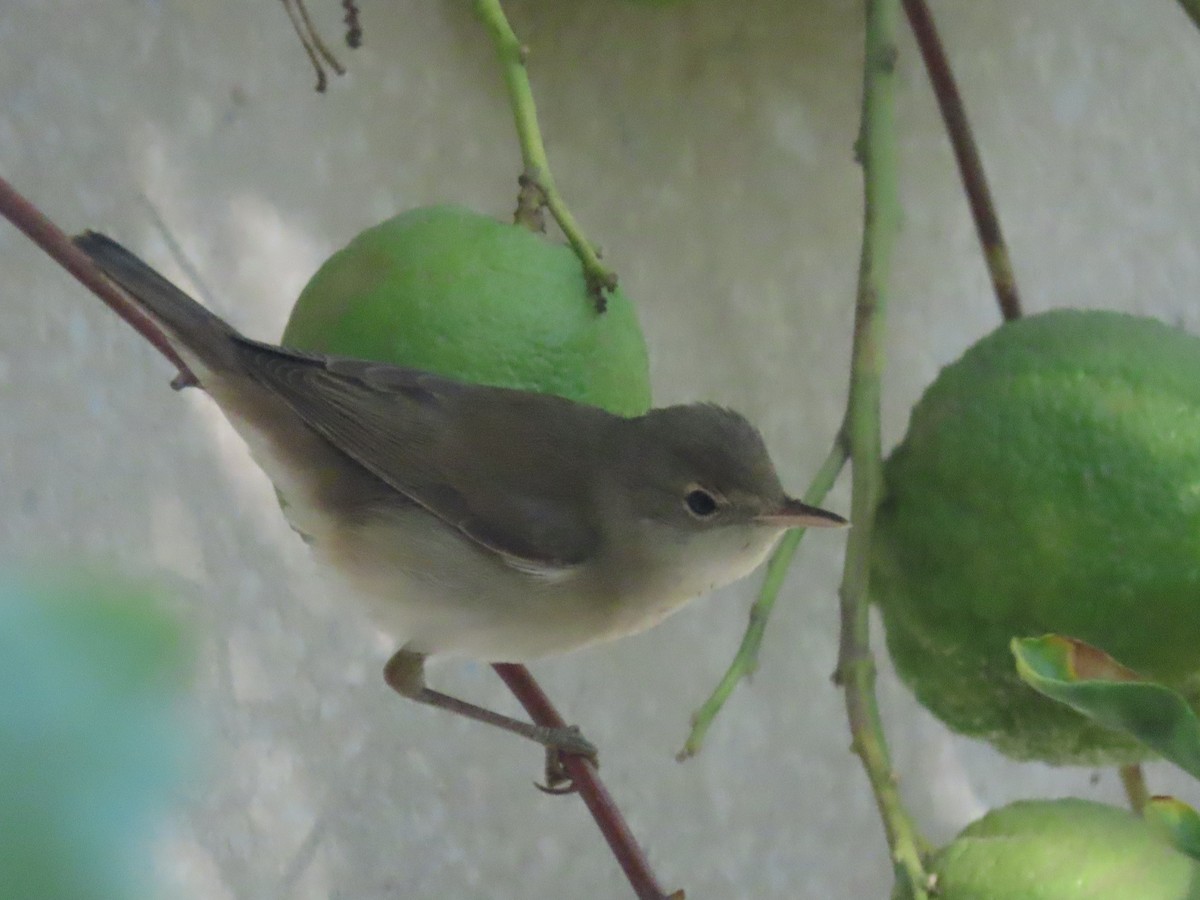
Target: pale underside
437	592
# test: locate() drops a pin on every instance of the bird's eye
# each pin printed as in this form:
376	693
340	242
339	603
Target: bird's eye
700	503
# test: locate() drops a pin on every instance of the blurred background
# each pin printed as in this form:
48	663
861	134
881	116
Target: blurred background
707	147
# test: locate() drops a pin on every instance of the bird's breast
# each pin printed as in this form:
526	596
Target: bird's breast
441	593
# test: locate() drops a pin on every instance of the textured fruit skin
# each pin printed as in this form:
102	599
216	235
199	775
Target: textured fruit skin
1063	850
1049	482
448	290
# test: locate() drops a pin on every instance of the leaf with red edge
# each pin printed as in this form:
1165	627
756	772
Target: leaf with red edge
1091	682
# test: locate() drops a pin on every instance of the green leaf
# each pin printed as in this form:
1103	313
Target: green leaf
1176	821
1092	682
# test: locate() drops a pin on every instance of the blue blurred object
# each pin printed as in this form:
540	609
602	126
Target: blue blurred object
92	677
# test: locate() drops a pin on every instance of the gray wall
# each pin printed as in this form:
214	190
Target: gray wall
708	148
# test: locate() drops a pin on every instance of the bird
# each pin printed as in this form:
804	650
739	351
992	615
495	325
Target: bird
477	521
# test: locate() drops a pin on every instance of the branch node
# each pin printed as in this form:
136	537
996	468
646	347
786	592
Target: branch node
531	204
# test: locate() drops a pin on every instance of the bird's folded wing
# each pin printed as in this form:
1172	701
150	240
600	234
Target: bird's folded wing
413	430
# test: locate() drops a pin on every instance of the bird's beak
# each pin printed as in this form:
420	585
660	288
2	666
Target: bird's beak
794	514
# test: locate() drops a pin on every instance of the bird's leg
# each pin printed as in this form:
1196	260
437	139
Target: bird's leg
405	674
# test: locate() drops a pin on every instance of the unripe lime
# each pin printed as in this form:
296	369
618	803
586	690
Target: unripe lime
454	292
1049	482
1063	850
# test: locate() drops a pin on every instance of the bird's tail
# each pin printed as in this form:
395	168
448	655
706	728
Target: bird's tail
198	336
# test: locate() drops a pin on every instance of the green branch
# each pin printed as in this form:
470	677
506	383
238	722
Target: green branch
745	662
856	666
537	184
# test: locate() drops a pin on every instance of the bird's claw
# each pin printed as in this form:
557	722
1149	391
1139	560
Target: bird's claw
567	741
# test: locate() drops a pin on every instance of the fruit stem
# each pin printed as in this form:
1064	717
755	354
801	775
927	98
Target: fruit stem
1133	779
537	184
745	661
970	166
876	149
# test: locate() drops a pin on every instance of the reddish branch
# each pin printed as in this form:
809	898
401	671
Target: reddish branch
35	226
583	776
970	167
50	238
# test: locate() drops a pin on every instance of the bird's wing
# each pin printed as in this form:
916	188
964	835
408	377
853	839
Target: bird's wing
412	429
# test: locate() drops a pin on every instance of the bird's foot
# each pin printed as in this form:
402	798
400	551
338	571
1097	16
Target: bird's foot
559	743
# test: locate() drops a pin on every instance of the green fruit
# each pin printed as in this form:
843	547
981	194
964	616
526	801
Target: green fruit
1049	482
453	292
1063	850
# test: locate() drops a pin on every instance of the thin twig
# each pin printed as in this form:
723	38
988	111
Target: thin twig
583	776
970	166
178	253
45	234
745	661
1133	779
309	50
533	151
311	40
881	223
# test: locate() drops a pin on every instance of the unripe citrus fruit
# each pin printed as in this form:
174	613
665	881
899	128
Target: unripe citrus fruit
450	291
1049	482
1063	850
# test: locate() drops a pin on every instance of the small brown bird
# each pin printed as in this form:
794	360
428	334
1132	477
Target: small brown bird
495	524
